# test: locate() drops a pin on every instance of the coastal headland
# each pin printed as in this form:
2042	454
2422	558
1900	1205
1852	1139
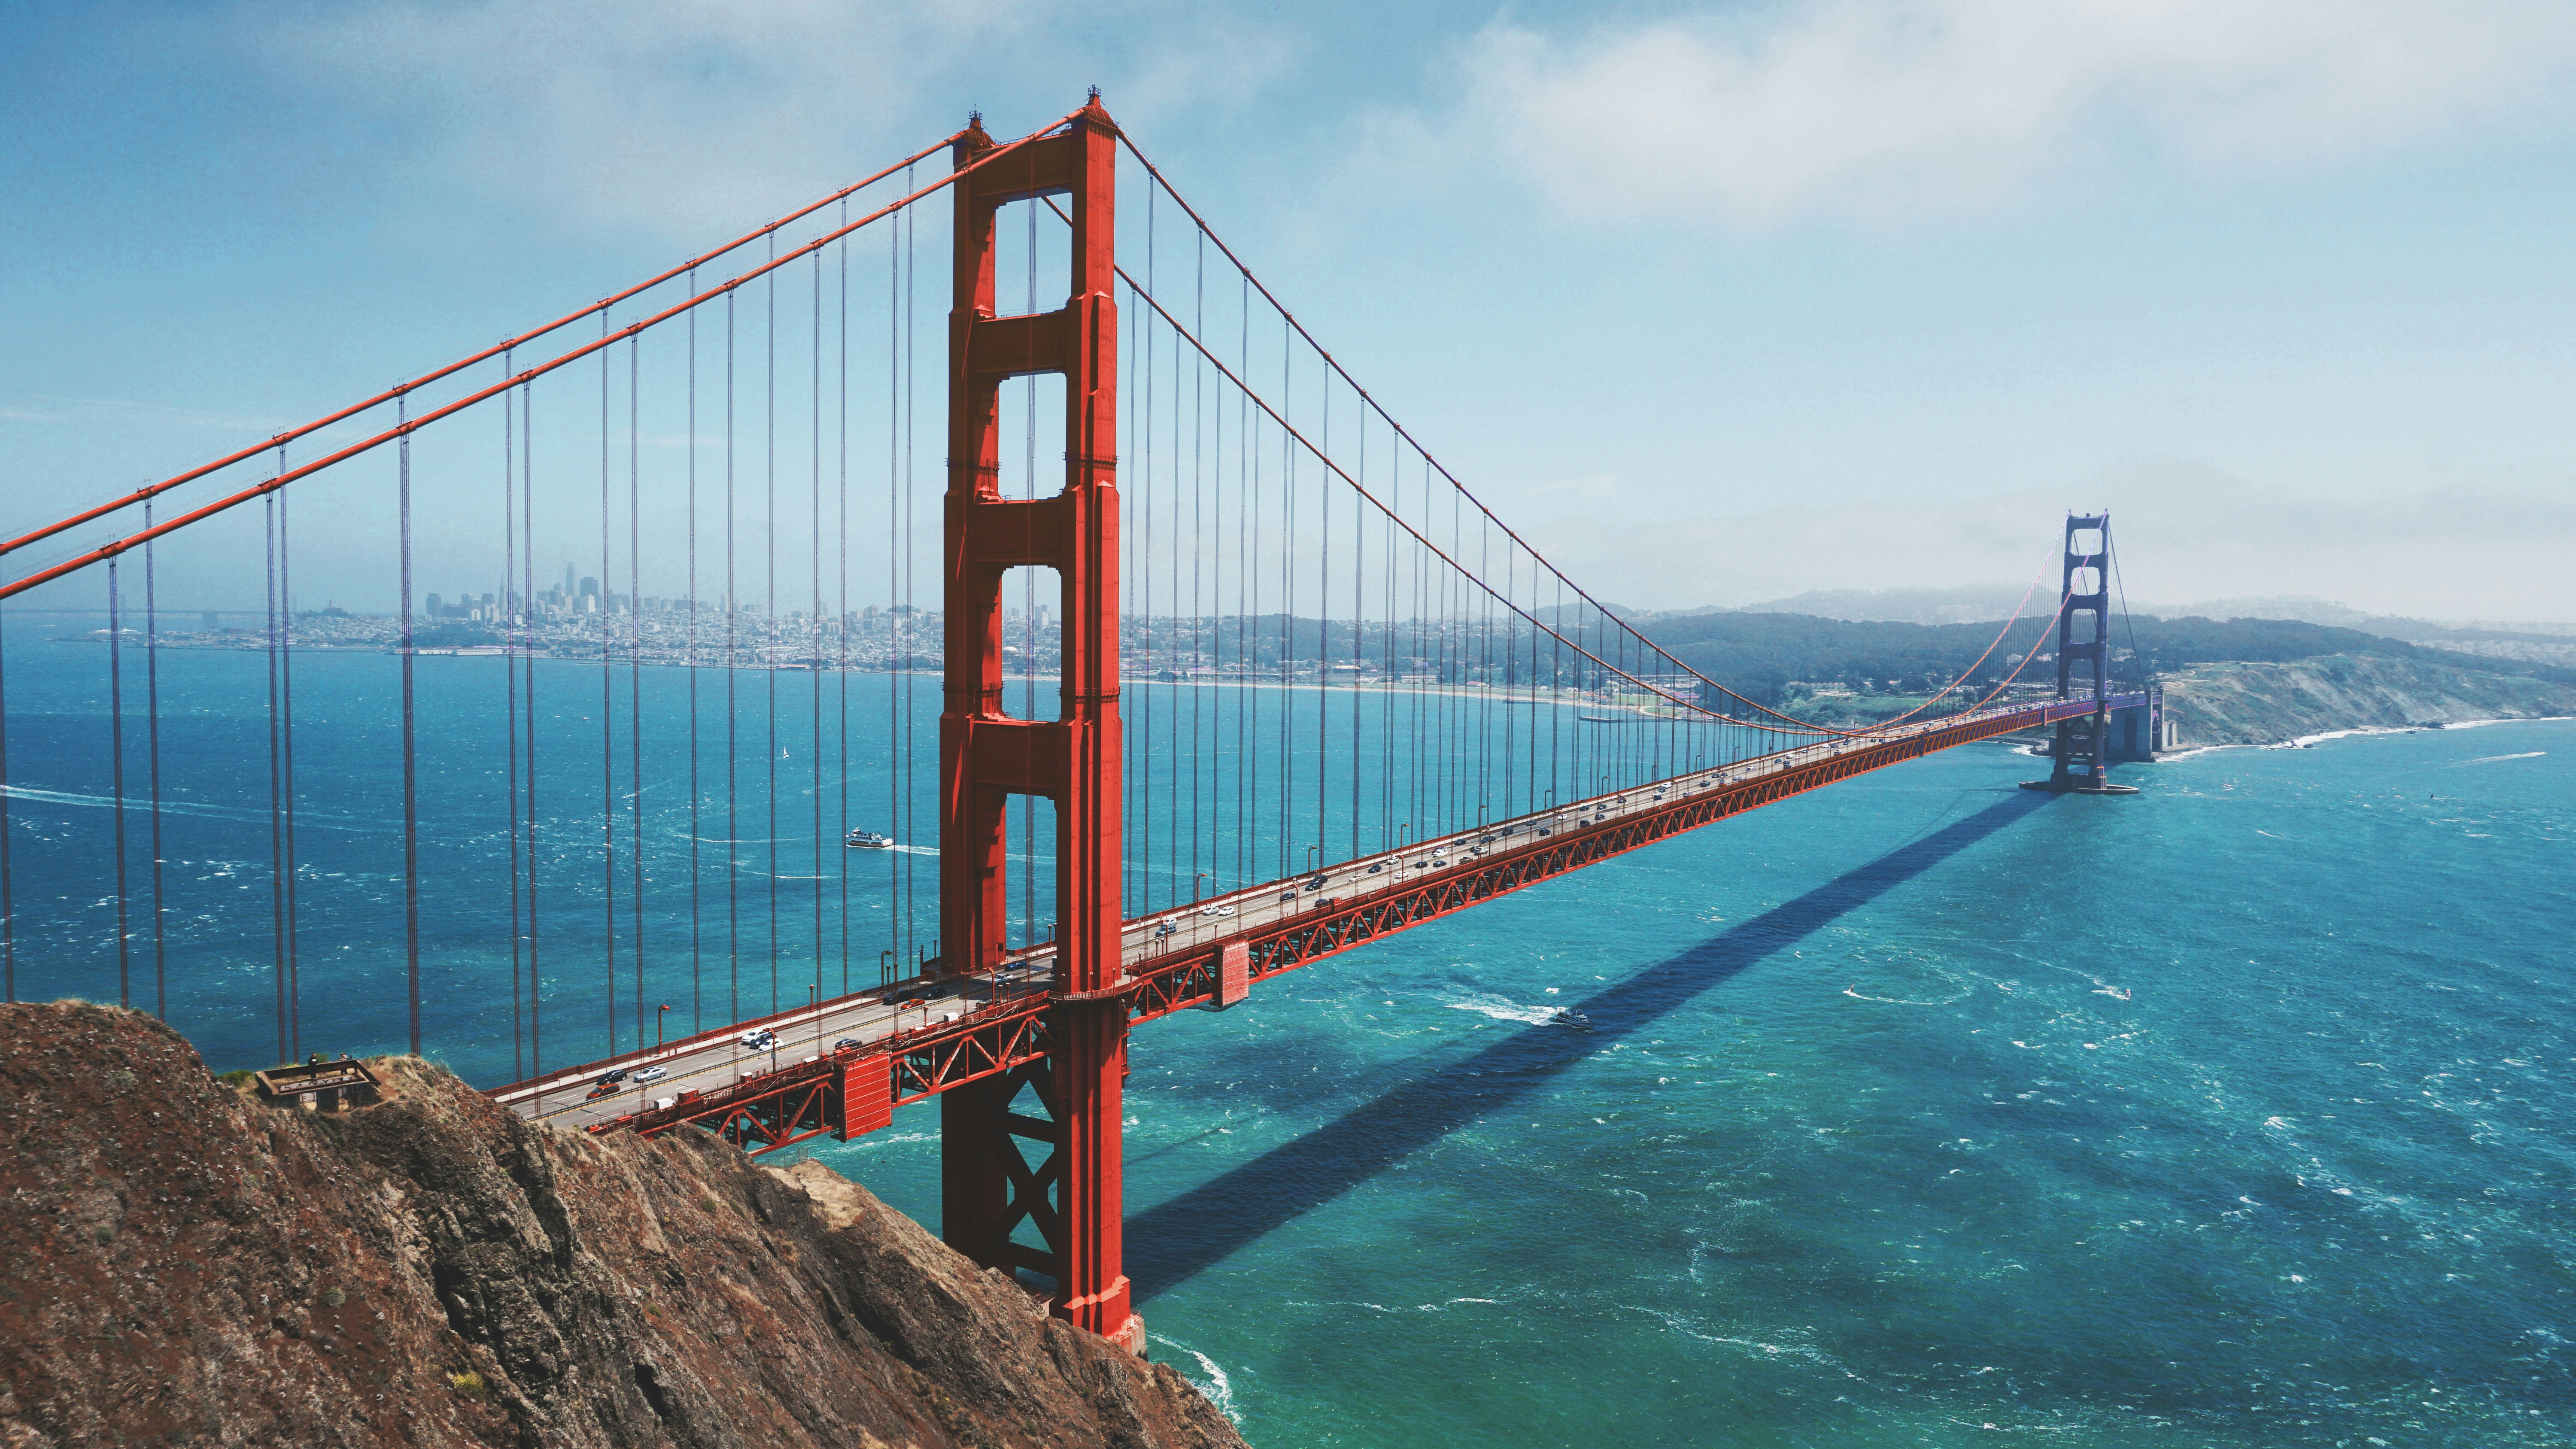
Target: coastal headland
192	1264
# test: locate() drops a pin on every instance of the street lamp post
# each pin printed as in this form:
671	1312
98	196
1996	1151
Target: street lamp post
657	1027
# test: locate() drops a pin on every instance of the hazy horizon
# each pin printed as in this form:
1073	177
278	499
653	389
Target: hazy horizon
1890	286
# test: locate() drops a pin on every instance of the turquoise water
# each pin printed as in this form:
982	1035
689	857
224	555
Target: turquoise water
1921	1111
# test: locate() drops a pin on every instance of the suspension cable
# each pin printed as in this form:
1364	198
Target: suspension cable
109	550
1164	184
498	349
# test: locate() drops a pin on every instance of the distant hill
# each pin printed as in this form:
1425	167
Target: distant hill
1975	603
1765	656
1962	605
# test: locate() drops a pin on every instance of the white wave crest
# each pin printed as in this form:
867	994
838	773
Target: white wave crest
1504	1009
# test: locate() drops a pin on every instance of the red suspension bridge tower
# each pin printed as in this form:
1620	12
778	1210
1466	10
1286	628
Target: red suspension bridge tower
988	1188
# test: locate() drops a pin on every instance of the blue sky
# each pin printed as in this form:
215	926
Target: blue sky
1724	301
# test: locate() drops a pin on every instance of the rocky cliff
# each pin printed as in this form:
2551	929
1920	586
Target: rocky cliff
2261	704
188	1265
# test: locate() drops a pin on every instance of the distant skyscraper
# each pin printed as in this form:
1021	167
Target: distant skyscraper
570	588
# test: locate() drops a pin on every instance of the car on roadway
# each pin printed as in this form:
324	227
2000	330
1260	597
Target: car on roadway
612	1076
758	1039
1225	910
650	1074
848	1044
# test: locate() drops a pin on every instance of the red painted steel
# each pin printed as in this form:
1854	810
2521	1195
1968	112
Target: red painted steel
987	1188
1007	1035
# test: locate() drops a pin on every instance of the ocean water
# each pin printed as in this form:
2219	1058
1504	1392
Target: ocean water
1919	1111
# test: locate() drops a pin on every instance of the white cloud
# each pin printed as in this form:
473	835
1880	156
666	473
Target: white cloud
2185	532
681	118
1888	109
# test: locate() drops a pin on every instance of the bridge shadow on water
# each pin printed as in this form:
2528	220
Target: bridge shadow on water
1168	1244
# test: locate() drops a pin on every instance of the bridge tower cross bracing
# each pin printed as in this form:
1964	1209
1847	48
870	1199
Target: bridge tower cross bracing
988	1190
2079	756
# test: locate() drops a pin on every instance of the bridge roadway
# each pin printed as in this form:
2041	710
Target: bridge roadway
1177	950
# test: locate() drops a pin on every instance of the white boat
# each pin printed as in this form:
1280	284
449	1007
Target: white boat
867	840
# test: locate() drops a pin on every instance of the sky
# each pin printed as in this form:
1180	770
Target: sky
1723	302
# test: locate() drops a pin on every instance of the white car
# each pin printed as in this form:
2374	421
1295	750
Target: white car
759	1039
1225	910
650	1074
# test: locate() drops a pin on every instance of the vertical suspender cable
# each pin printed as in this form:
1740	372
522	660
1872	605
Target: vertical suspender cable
911	414
769	631
1323	617
152	749
528	563
1359	611
634	680
841	604
1175	666
1247	517
1386	642
607	714
1198	554
1028	614
1288	615
899	912
733	670
814	625
841	609
1143	432
116	775
1135	883
411	794
8	876
514	611
286	731
697	998
276	769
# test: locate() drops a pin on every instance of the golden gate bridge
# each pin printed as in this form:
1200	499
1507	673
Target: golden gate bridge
1308	689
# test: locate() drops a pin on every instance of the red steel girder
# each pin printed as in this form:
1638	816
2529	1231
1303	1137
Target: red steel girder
1012	1032
1192	978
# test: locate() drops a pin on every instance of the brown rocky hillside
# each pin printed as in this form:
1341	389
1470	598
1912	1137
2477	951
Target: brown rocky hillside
187	1265
2261	704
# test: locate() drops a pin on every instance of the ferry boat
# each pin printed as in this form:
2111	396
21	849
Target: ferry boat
867	840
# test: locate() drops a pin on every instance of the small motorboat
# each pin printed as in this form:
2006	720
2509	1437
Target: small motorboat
867	840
